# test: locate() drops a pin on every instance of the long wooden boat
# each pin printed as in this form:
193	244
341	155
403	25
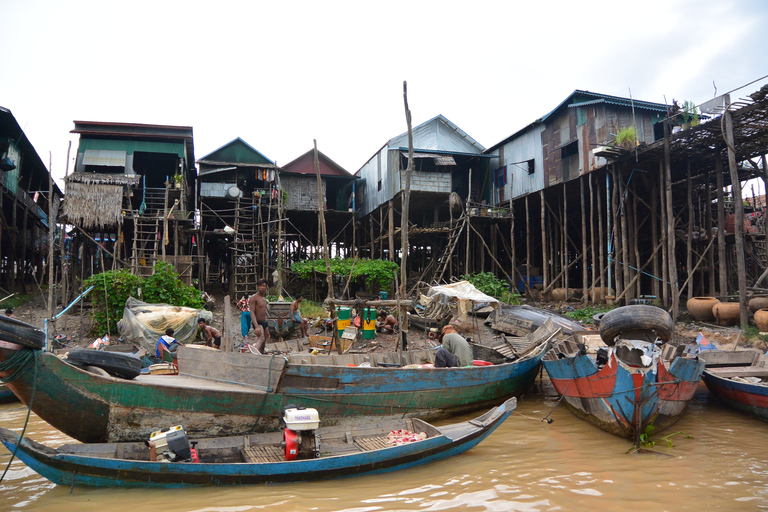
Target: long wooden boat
222	394
739	380
521	320
258	458
6	395
627	386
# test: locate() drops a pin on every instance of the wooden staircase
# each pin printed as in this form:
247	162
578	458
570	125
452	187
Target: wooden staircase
146	233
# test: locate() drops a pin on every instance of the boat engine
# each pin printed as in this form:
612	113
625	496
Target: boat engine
171	445
300	440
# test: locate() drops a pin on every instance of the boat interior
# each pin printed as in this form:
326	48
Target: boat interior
259	448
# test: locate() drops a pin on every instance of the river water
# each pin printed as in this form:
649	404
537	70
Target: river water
526	465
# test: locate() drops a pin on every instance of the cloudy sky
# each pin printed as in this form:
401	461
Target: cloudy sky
280	74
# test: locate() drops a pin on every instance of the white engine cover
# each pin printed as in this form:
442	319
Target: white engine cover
301	419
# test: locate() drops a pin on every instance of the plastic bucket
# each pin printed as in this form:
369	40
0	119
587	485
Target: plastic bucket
369	323
344	320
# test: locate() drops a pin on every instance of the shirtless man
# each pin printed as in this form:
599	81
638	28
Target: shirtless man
386	322
211	334
297	316
257	305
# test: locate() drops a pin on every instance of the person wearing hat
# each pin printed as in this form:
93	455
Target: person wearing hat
455	351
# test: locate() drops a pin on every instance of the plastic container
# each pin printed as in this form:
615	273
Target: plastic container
344	319
384	295
369	323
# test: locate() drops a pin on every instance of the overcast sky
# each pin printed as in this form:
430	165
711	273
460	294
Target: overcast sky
280	74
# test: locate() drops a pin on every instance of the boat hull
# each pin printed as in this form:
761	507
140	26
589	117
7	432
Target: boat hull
71	469
622	400
93	408
751	399
6	395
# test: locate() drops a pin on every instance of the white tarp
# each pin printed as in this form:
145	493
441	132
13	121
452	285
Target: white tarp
465	295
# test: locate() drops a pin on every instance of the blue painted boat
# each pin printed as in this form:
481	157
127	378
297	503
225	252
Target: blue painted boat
739	380
6	395
623	388
258	458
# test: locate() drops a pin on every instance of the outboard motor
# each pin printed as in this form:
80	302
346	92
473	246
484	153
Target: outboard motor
299	438
171	445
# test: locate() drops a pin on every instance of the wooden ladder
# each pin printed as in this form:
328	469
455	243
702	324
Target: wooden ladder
452	241
246	254
145	243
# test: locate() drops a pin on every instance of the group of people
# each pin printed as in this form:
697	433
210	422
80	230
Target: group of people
454	350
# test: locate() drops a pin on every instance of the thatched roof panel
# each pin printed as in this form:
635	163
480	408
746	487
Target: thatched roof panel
92	206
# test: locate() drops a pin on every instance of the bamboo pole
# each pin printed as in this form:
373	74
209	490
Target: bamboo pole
544	256
721	263
671	259
405	207
600	234
711	254
321	215
584	275
655	288
52	214
593	233
689	238
620	187
738	209
391	217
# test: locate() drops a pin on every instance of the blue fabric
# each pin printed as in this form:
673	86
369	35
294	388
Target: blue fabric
245	323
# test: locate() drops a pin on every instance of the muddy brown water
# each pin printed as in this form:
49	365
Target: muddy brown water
526	465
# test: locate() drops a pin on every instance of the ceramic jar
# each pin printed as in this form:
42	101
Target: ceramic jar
727	313
700	308
756	303
761	319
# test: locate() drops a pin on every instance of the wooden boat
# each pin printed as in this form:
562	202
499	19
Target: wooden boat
425	323
739	380
6	395
624	388
521	320
257	458
222	394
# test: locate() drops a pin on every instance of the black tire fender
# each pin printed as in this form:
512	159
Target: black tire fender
114	363
636	318
21	333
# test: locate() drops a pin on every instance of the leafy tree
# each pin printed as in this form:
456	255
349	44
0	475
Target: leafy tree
112	289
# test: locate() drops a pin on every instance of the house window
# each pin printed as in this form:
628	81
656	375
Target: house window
581	116
531	164
572	148
379	184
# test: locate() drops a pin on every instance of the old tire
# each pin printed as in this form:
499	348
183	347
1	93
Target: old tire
21	333
636	318
114	363
597	318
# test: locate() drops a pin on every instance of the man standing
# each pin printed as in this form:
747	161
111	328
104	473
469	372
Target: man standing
257	305
297	316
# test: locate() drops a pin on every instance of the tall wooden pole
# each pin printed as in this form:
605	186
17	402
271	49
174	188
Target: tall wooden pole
584	276
543	226
321	215
689	238
52	213
738	210
671	259
405	210
721	263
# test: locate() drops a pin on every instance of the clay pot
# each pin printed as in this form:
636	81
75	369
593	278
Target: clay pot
700	308
600	294
727	313
761	319
756	303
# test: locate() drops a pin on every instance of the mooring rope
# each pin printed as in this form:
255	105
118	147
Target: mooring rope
25	358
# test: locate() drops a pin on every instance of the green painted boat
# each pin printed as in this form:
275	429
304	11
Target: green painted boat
224	394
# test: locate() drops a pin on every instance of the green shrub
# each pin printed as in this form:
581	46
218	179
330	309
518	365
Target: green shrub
491	285
163	286
584	315
626	138
376	274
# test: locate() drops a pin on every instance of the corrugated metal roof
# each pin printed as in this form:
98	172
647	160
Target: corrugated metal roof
656	107
615	100
107	157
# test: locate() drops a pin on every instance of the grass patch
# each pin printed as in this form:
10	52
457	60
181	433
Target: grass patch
584	315
15	301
